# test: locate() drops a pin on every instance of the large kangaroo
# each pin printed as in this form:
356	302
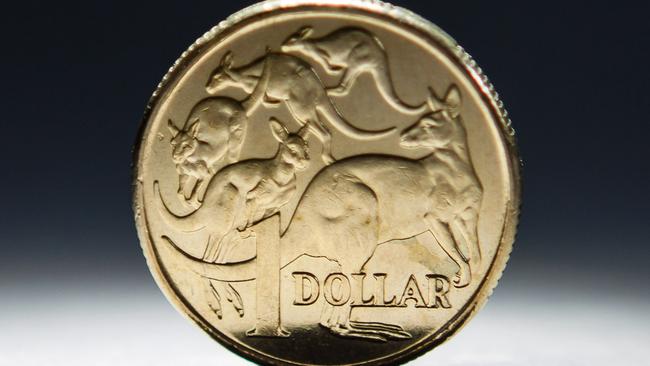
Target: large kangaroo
276	78
359	203
352	51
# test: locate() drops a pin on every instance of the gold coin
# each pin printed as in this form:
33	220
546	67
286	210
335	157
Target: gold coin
326	182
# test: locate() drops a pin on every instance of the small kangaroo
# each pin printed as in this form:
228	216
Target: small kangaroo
352	51
244	193
210	139
276	78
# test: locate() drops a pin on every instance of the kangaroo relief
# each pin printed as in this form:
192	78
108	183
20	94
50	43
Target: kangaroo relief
244	193
347	176
457	196
210	139
351	52
372	205
276	78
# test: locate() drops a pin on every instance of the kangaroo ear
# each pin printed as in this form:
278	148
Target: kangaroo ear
450	103
431	120
172	128
279	131
194	130
453	99
226	60
303	132
434	102
305	32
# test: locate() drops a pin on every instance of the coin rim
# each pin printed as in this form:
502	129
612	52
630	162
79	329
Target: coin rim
388	12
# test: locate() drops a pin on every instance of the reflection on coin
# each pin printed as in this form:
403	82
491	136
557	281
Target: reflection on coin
326	182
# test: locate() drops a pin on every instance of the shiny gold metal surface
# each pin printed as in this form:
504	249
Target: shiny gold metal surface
326	182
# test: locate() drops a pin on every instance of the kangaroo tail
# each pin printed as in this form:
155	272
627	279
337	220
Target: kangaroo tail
387	90
186	223
333	116
168	251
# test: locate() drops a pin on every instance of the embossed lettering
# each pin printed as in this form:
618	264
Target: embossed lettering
305	280
412	292
381	289
337	289
267	290
438	289
358	296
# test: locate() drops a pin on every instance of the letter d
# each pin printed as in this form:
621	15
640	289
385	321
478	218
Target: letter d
304	280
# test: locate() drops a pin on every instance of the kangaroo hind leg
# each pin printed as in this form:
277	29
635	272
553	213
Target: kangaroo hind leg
443	236
325	137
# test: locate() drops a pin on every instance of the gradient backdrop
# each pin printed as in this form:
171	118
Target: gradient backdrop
74	287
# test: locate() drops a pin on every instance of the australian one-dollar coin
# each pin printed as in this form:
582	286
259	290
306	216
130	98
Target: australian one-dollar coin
326	183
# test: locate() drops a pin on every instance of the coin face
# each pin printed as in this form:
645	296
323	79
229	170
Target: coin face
326	183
